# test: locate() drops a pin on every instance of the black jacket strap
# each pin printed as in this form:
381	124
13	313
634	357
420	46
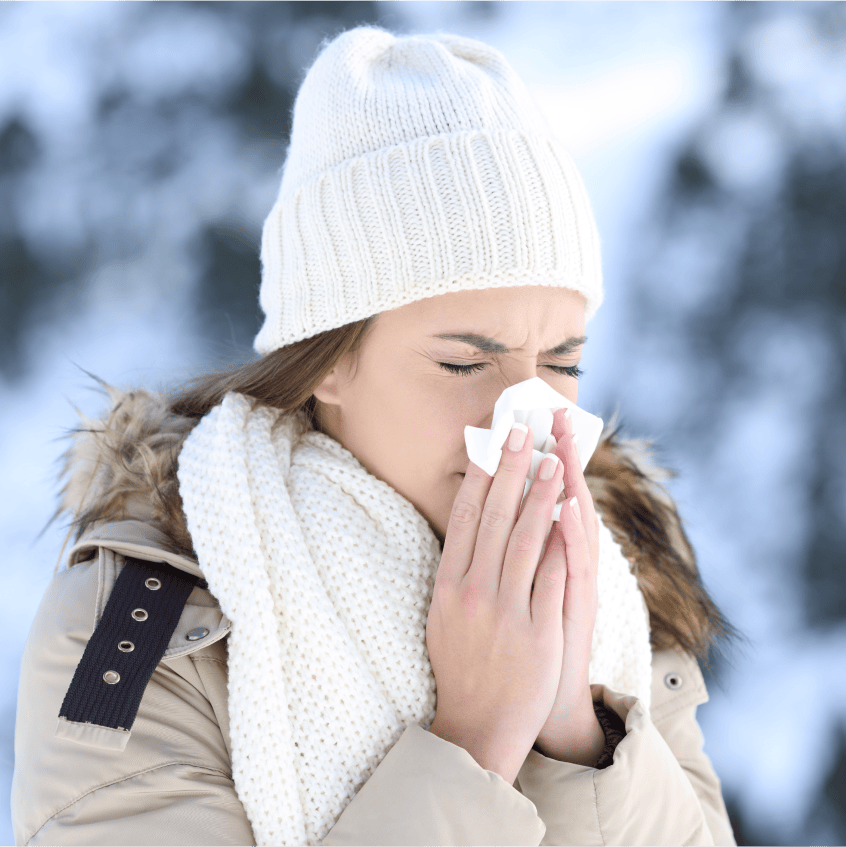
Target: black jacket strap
128	642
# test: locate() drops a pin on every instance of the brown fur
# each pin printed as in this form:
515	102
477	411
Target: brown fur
124	466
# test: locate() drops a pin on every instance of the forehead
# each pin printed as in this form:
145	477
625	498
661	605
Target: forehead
503	313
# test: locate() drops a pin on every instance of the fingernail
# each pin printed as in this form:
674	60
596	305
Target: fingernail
548	466
574	508
575	440
518	437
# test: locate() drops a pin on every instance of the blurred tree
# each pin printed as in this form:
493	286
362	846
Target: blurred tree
227	297
19	267
144	144
759	202
827	819
741	289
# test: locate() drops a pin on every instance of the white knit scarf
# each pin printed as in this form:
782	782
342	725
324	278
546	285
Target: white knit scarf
326	573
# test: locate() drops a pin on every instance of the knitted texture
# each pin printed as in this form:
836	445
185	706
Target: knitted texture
327	573
417	165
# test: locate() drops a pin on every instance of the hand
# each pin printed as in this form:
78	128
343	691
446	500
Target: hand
495	644
572	732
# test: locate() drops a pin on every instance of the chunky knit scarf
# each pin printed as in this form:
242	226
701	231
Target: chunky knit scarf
326	573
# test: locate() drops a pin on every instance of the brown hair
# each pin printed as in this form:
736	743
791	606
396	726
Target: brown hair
643	519
284	379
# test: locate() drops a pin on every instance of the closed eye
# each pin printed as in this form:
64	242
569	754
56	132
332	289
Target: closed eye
466	370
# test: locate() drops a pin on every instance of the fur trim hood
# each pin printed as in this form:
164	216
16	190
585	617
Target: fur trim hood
123	466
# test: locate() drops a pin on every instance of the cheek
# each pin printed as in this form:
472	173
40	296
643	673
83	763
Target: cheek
436	454
423	422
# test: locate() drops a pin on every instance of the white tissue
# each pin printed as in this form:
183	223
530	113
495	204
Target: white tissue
531	402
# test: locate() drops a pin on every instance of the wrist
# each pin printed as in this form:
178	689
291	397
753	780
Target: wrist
482	750
581	742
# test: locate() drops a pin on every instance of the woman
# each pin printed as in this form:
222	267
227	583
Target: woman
286	563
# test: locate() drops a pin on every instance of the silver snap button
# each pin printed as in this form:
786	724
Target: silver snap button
111	677
673	680
126	646
153	584
197	634
140	614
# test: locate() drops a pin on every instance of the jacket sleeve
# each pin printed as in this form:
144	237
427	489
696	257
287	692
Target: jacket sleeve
429	791
660	788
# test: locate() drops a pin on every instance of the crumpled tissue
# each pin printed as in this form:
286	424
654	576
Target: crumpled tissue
533	403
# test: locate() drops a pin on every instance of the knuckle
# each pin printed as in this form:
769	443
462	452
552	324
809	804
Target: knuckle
463	513
443	594
473	599
509	460
549	578
513	463
579	570
494	515
523	540
502	619
541	490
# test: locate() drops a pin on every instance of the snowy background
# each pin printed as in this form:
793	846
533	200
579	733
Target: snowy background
139	153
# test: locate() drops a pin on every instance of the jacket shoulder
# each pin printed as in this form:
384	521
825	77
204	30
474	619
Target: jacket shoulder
151	606
61	781
201	622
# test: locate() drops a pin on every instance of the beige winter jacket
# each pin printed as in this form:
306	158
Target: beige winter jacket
171	782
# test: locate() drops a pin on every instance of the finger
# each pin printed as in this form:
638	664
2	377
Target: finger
580	598
527	539
559	417
574	481
463	527
499	513
550	580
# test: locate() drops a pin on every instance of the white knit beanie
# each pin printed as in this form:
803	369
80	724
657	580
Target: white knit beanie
417	165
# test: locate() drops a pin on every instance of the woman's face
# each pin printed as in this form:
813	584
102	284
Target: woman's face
402	414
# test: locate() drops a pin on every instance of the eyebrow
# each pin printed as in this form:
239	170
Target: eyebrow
491	345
